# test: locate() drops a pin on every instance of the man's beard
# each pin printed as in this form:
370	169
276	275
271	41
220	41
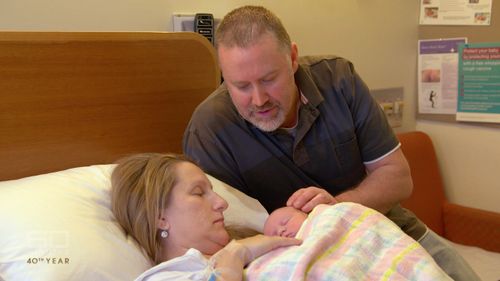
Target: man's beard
267	124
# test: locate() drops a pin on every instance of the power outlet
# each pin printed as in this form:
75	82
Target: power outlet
204	25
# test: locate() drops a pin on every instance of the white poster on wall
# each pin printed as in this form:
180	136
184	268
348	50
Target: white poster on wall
455	12
438	75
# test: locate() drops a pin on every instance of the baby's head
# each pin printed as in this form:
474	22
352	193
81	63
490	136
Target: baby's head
285	221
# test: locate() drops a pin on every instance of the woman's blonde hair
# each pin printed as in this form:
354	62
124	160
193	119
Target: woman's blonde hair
140	187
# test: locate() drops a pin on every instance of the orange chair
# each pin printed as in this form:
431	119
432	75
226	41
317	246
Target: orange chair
460	224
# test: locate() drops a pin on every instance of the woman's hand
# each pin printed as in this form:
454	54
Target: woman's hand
229	261
260	244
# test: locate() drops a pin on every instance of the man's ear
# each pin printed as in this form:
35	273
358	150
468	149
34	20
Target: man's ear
294	54
162	222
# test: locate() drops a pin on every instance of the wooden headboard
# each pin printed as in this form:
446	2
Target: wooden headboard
74	99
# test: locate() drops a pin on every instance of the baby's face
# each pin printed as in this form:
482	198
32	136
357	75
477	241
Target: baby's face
284	222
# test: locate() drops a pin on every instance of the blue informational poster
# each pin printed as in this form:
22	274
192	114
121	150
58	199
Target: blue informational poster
438	75
479	82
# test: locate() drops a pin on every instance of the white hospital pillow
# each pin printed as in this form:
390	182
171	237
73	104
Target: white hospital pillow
243	210
59	226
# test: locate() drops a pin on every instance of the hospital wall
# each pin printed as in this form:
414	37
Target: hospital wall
378	36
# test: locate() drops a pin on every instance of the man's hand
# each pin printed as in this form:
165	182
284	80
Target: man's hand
305	199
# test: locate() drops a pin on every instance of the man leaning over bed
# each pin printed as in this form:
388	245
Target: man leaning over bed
302	131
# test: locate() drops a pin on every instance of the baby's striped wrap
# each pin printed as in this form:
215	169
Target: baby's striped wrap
348	241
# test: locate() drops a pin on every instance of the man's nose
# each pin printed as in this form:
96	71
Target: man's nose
259	96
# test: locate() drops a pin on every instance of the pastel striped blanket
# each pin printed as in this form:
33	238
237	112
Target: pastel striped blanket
347	241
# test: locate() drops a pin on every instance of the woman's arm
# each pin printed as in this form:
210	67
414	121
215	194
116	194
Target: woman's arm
230	261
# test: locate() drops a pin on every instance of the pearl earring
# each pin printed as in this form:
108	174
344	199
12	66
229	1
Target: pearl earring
164	234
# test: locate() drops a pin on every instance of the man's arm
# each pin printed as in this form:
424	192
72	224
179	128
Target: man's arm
388	182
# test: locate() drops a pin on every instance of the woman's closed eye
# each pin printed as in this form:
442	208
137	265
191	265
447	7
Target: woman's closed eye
198	191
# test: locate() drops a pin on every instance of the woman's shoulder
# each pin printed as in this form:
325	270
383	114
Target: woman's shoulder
192	266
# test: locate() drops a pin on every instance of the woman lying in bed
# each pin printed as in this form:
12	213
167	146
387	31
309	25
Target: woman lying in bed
167	204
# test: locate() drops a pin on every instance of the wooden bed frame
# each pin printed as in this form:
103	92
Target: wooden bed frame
70	99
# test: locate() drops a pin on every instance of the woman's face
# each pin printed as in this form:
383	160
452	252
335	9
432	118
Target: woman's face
194	216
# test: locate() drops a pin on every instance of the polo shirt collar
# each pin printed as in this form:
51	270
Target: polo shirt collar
307	87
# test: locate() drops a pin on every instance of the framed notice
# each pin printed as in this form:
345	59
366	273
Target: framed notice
479	82
455	12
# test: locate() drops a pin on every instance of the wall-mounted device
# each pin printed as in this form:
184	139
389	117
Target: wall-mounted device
204	25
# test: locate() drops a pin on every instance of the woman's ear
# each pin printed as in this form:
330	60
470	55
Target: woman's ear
162	222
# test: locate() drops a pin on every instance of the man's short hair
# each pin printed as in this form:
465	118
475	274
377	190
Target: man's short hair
242	27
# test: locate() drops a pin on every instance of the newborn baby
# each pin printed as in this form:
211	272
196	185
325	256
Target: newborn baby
285	221
345	241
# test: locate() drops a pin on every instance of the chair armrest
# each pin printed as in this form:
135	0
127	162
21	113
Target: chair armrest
471	226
